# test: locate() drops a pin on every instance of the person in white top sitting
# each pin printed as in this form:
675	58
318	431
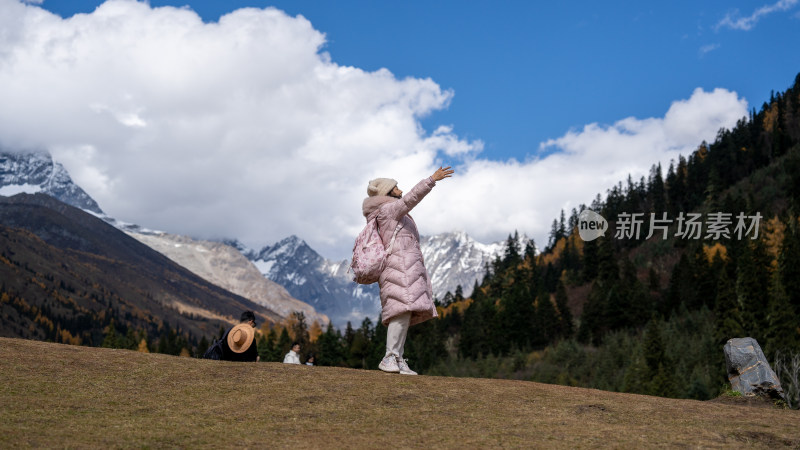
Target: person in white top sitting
293	356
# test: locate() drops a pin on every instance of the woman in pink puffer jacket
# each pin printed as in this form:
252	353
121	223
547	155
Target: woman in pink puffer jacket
406	296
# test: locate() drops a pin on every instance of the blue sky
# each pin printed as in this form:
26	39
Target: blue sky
524	72
215	121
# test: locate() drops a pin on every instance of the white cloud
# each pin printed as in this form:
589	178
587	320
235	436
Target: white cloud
246	128
705	49
733	21
241	128
489	199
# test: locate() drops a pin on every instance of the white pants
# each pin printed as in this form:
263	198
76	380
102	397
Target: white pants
396	334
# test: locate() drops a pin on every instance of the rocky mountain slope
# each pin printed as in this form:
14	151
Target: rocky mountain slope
227	268
322	283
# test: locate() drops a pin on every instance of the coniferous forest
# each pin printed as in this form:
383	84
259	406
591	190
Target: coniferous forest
643	309
623	312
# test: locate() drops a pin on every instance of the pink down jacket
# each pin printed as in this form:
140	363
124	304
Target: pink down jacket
404	283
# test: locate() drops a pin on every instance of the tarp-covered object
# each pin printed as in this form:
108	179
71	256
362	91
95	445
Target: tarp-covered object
748	369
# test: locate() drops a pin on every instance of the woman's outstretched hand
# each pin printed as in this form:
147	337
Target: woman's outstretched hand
442	173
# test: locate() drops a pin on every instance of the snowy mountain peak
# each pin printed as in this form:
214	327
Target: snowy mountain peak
33	172
286	248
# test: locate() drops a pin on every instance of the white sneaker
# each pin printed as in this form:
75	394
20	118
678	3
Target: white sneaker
404	369
389	364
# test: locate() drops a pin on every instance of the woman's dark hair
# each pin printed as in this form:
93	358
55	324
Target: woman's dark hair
295	343
247	316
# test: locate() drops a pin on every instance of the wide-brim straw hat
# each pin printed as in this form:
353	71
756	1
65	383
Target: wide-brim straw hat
241	337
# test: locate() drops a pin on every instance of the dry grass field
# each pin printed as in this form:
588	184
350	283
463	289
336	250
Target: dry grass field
63	396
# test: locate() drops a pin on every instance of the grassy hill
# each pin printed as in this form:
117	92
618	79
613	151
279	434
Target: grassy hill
55	395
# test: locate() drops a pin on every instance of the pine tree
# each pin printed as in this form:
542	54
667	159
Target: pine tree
659	367
459	294
728	322
566	327
203	346
284	343
789	259
111	340
590	260
330	348
300	329
783	325
752	285
546	318
267	346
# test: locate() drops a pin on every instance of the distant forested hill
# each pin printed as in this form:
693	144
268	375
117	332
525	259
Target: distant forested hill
67	276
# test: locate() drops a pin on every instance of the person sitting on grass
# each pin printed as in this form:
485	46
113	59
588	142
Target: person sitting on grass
238	343
293	357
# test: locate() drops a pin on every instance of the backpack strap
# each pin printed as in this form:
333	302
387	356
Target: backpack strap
374	215
394	235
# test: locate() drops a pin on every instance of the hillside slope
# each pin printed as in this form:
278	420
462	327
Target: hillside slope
64	270
67	396
226	267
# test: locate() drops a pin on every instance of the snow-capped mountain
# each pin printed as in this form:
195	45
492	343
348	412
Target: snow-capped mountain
33	172
319	282
37	172
224	266
452	259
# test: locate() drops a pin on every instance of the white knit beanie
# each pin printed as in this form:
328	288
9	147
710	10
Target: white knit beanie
380	186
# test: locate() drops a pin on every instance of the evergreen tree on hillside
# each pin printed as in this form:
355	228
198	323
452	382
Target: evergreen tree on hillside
590	260
566	327
752	286
299	329
267	350
705	280
783	325
681	288
546	319
330	348
516	314
284	344
659	367
789	264
111	339
656	191
728	324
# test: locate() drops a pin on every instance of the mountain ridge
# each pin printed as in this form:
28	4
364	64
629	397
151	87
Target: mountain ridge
64	269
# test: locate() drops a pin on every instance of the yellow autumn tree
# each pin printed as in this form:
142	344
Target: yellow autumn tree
774	231
289	323
143	346
712	250
314	332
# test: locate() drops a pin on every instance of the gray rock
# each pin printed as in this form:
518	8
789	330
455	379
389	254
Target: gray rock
748	369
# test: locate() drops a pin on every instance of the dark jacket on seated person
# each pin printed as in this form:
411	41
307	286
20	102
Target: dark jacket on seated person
238	343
